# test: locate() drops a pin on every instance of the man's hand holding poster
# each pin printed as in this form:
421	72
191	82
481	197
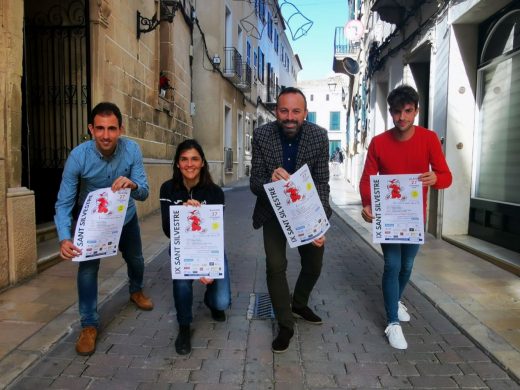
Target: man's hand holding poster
298	207
397	207
100	223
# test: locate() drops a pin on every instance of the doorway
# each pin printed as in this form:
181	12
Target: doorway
56	94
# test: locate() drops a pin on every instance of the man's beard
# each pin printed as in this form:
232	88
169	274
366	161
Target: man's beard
289	132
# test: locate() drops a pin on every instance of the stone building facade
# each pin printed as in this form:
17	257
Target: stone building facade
60	58
177	69
241	59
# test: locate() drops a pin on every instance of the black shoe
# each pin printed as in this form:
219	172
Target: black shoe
182	342
218	315
307	314
282	341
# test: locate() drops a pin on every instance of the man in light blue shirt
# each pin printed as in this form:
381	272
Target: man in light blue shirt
105	161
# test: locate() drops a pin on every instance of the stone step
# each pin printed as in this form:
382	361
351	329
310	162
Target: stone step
48	254
45	231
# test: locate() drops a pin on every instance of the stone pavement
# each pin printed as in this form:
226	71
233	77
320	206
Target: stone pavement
481	298
136	351
39	312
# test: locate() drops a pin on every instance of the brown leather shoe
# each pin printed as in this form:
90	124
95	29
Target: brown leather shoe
86	344
141	301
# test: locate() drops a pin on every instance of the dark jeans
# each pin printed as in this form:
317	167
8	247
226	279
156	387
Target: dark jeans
131	249
276	267
399	260
216	297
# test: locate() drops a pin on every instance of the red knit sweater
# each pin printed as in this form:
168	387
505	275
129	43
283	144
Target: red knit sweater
388	156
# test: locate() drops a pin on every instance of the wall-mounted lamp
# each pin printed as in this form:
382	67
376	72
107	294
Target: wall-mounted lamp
216	61
168	9
332	86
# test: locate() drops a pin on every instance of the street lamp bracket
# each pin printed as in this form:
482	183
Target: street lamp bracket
167	13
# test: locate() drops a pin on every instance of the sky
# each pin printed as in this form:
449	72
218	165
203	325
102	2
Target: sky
316	48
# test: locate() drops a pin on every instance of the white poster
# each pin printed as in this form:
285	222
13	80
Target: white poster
397	207
100	223
197	241
298	207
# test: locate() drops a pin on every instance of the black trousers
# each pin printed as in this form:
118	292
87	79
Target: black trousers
276	267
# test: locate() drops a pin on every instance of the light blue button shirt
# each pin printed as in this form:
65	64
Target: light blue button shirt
87	168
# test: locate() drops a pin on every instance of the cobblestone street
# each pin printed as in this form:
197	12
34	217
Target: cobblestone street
350	350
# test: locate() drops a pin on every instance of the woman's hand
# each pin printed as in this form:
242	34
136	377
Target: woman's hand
206	281
192	202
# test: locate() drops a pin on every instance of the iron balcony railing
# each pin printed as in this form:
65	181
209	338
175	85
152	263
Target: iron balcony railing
245	82
344	47
233	64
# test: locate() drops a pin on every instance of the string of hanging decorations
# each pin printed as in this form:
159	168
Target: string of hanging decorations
297	23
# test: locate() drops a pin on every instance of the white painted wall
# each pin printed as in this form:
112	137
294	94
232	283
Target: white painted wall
319	89
452	99
460	126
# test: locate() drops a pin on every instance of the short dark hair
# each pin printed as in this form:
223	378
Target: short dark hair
205	177
106	109
403	94
288	90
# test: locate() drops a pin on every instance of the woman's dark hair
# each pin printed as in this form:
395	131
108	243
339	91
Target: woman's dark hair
205	177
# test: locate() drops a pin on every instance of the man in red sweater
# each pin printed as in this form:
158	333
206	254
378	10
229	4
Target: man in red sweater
404	149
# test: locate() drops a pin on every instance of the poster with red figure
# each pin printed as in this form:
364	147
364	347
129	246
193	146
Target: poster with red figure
298	207
100	223
397	207
197	241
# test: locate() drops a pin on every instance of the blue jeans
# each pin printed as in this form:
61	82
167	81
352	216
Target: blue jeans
131	249
398	268
216	297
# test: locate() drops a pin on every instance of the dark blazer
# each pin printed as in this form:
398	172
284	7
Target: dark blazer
313	150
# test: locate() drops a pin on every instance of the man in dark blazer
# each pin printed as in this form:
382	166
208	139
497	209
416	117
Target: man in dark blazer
280	148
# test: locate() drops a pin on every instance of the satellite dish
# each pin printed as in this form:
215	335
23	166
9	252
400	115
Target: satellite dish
350	66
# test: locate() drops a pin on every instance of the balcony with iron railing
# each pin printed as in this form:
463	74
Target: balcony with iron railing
232	65
346	52
245	82
344	47
271	88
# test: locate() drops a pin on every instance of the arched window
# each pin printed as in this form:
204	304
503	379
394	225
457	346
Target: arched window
497	157
504	37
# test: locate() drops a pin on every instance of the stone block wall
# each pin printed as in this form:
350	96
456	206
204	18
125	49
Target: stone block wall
125	70
21	219
17	224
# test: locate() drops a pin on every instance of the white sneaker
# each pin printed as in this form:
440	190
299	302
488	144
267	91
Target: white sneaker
402	313
395	336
